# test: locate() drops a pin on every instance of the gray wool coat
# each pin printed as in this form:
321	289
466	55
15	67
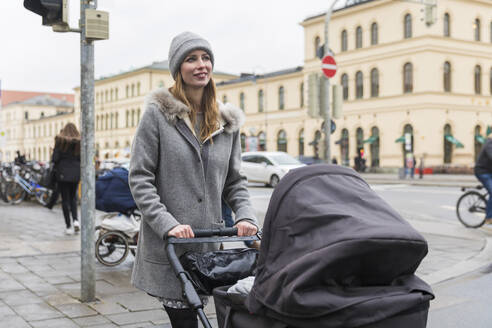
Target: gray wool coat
175	180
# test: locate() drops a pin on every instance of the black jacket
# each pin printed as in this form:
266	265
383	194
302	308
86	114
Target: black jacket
484	161
67	164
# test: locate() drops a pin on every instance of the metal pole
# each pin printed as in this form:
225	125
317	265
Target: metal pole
88	281
326	116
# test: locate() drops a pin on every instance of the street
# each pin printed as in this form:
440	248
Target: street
40	267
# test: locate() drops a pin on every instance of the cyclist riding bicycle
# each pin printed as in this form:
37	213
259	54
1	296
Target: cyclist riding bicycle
483	172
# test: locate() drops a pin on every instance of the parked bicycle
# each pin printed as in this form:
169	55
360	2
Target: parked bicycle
471	206
23	184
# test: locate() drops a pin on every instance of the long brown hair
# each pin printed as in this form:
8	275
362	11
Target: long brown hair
68	140
208	105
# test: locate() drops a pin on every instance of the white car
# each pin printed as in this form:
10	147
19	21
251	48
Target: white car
267	167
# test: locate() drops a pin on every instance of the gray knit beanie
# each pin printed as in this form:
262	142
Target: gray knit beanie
181	45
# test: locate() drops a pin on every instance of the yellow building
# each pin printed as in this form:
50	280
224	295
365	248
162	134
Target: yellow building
400	76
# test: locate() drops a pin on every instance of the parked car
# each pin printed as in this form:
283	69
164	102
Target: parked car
268	167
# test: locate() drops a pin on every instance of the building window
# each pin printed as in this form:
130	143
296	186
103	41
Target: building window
374	82
224	99
138	115
317	42
344	40
478	80
447	26
127	91
358	37
111	121
359	138
408	78
282	141
161	84
262	141
407	26
476	29
138	89
133	90
447	77
116	120
106	123
345	86
374	34
241	100
106	96
344	147
301	91
127	118
112	95
374	140
490	82
359	85
448	146
116	94
301	142
260	100
26	115
281	96
133	117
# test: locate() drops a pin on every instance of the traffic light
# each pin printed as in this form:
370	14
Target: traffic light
54	12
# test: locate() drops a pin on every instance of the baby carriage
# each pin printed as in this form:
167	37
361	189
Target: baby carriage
333	254
120	222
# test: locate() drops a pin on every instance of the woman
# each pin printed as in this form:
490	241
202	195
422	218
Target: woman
66	158
185	156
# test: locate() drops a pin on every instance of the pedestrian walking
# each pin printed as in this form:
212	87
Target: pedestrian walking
185	157
66	158
483	172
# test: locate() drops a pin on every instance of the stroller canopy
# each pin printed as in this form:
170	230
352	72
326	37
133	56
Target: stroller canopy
333	251
113	192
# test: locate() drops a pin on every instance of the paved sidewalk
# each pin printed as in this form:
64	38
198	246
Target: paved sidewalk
40	272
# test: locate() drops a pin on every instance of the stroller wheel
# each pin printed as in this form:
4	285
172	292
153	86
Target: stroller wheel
111	248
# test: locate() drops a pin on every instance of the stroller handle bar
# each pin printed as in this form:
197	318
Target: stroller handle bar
215	232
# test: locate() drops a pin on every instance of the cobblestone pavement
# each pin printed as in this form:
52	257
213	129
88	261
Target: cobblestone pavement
40	274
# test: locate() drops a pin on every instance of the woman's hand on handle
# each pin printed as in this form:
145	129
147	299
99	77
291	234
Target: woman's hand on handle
181	231
244	228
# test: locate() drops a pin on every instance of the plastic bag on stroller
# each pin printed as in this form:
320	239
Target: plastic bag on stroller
333	254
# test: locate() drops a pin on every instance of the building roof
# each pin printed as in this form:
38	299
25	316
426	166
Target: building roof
348	4
157	65
253	77
11	96
44	100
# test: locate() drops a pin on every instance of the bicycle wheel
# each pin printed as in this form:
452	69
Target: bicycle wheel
14	193
43	197
111	248
471	209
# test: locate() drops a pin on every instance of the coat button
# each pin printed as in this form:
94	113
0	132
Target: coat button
199	200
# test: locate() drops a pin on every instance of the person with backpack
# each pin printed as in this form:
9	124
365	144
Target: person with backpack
66	158
186	156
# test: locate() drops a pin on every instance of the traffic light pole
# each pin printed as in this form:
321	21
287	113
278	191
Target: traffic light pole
326	112
88	278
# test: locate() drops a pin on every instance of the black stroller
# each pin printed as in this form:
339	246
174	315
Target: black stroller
333	254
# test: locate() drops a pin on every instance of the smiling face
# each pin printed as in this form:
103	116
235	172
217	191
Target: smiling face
196	69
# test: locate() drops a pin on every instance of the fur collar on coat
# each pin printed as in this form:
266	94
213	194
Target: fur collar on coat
231	118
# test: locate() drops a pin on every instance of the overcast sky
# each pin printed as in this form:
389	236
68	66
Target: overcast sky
247	36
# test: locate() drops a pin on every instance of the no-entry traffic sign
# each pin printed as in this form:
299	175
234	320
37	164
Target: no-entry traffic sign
329	66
